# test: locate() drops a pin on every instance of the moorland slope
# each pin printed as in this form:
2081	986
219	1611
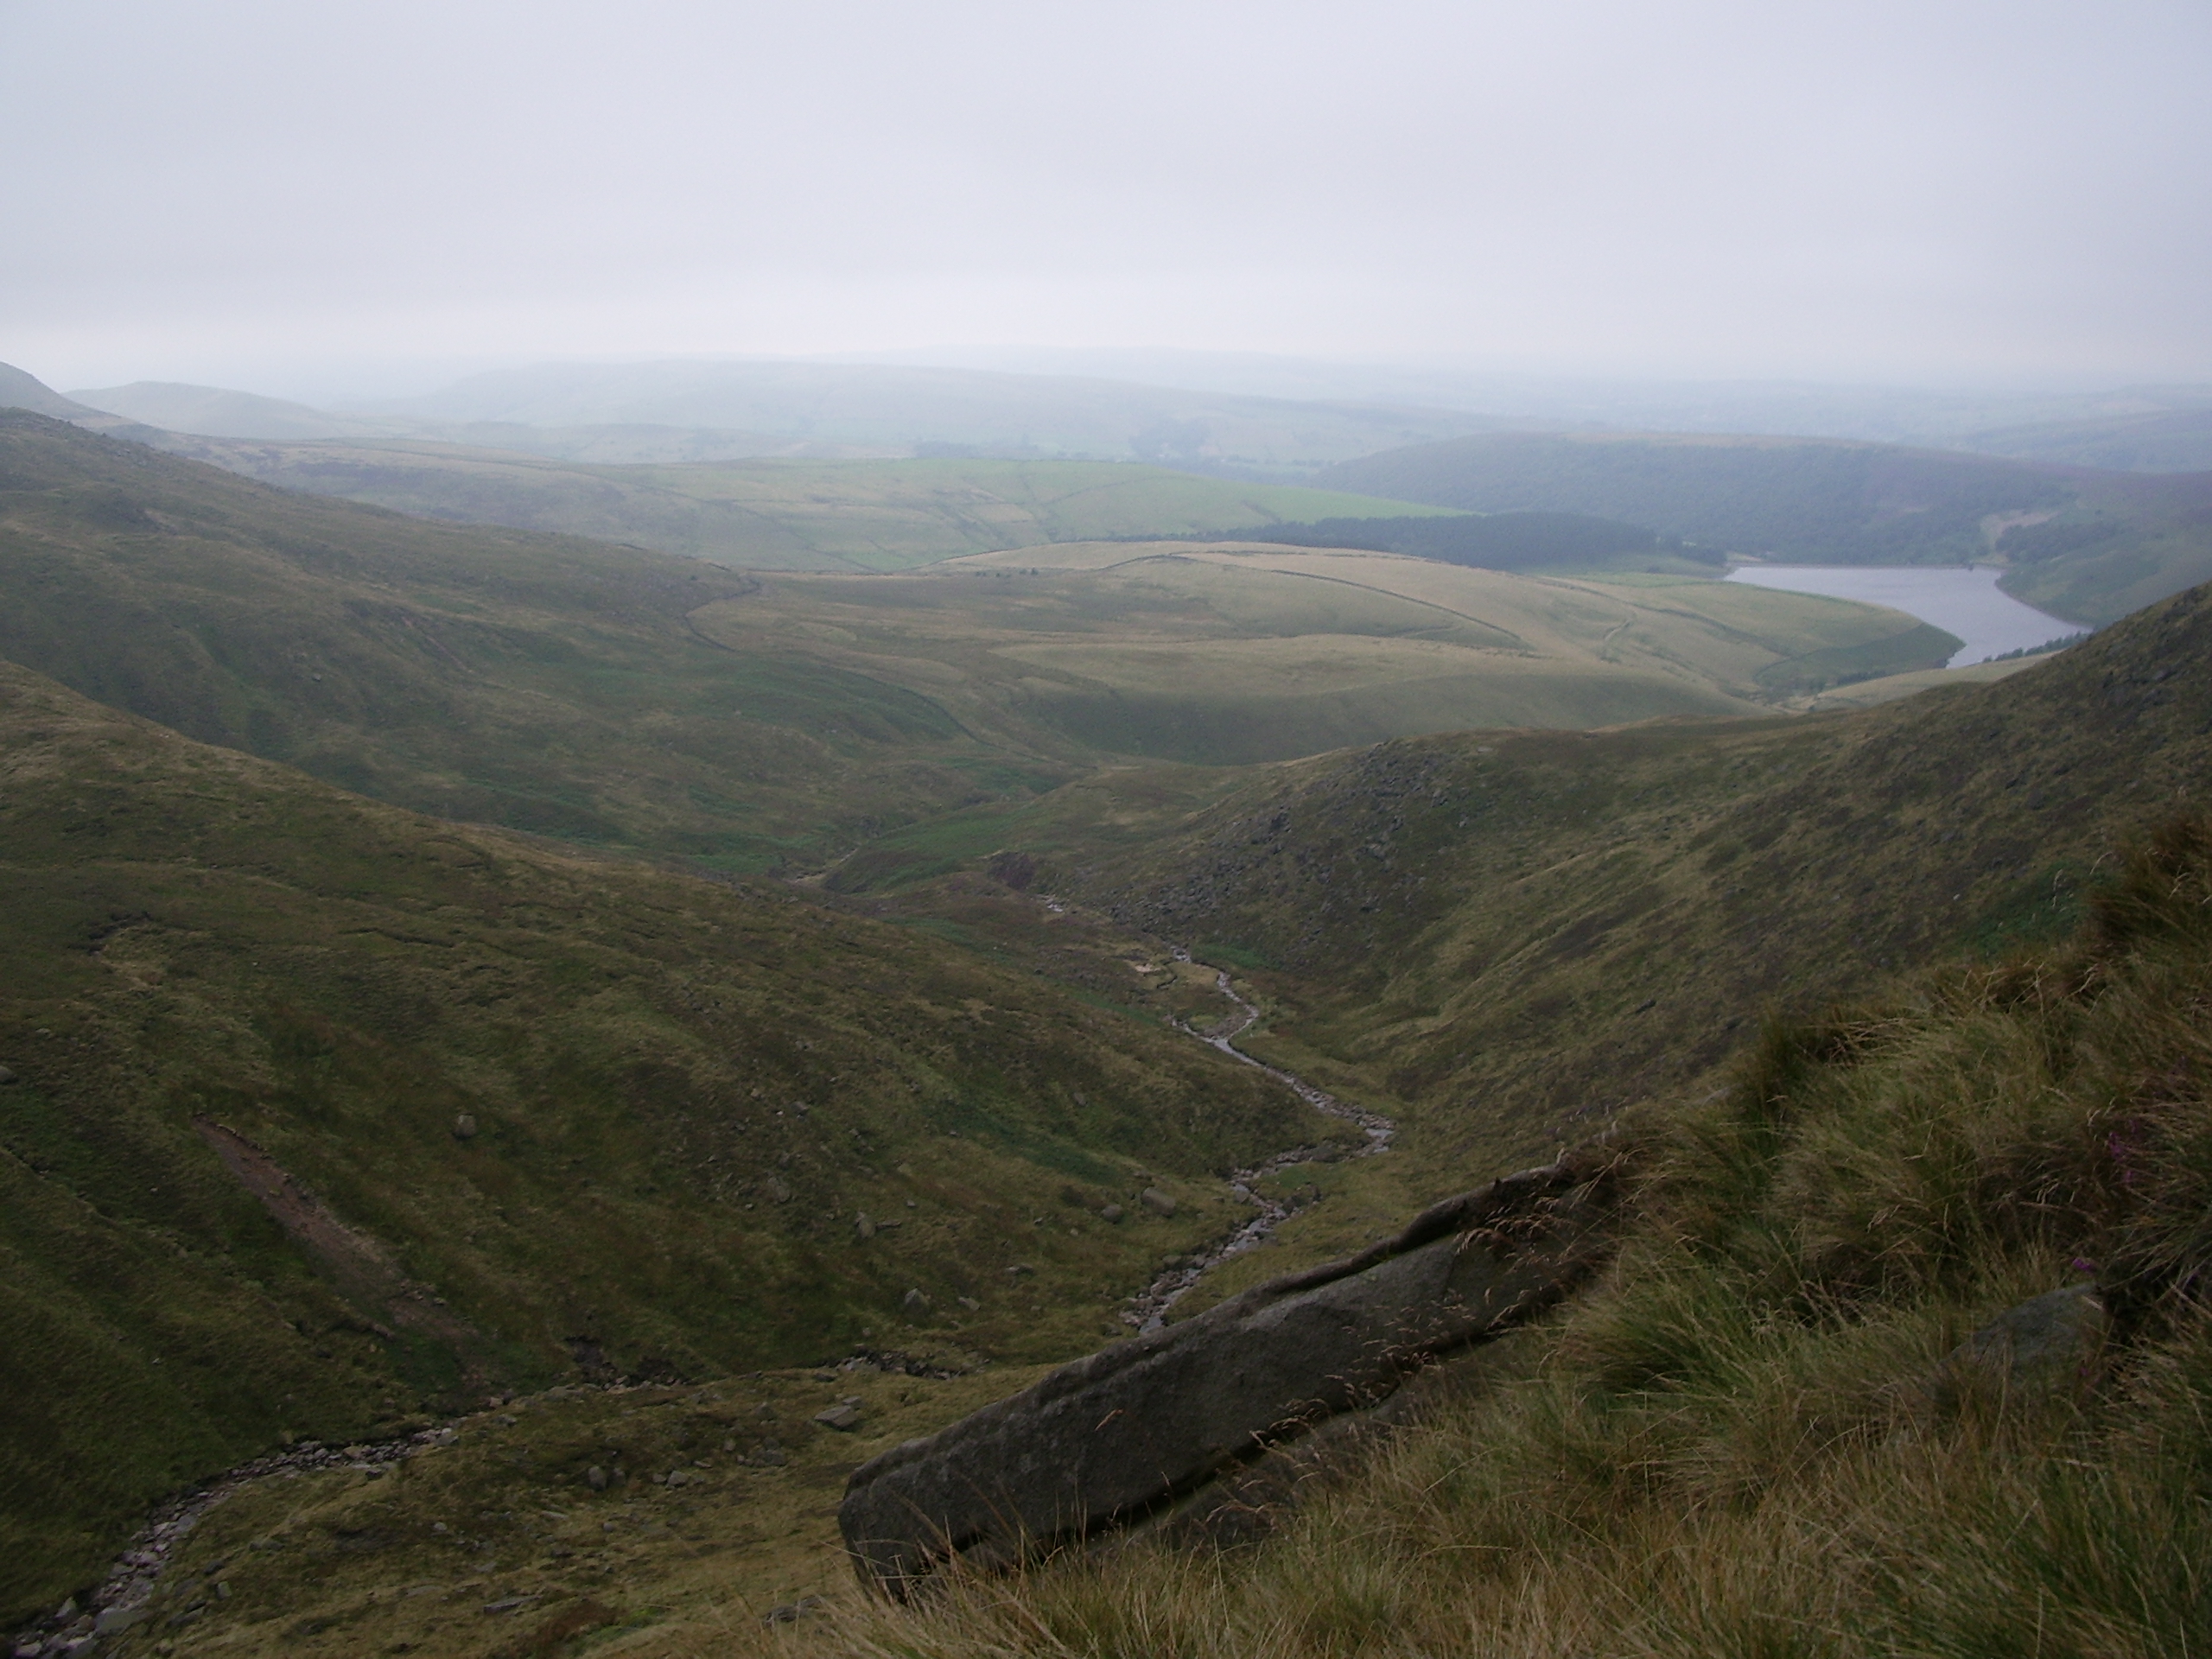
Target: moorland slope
324	1113
548	683
617	696
1903	1352
1506	937
318	1114
218	412
1225	653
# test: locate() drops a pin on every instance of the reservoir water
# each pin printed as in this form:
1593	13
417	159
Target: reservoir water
1958	600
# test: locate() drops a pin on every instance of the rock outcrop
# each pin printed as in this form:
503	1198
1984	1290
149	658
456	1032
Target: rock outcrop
1112	1438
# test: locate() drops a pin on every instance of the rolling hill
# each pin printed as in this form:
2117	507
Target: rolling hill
2085	545
1229	654
547	683
684	409
619	696
822	512
1605	915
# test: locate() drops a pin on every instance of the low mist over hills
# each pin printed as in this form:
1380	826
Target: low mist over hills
212	411
606	451
2051	425
1271	416
678	409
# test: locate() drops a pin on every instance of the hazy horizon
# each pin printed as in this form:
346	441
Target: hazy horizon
318	205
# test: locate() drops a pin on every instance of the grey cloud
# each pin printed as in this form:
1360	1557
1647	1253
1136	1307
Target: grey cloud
1871	190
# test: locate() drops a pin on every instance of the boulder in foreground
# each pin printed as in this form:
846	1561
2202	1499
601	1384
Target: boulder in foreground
1110	1439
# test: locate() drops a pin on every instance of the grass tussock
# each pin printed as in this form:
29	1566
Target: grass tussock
1740	1443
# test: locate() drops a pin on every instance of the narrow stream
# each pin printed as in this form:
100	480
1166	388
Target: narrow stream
1148	1309
131	1580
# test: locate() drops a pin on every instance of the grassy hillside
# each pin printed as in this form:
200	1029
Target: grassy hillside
325	1115
2123	543
320	1113
783	514
2089	546
1762	1433
616	695
1507	938
1858	815
547	683
1226	654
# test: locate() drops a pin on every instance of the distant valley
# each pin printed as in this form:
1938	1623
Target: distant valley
674	948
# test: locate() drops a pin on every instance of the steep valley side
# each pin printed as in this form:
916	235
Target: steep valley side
320	1116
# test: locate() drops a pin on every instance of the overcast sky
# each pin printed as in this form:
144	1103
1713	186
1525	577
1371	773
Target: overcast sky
297	196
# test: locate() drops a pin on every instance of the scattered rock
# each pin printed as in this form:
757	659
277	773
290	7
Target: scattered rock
915	1301
508	1603
839	1416
970	1304
7	1075
2046	1344
1112	1213
595	1478
464	1127
1020	1268
790	1612
1158	1202
1107	1439
863	1226
777	1191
